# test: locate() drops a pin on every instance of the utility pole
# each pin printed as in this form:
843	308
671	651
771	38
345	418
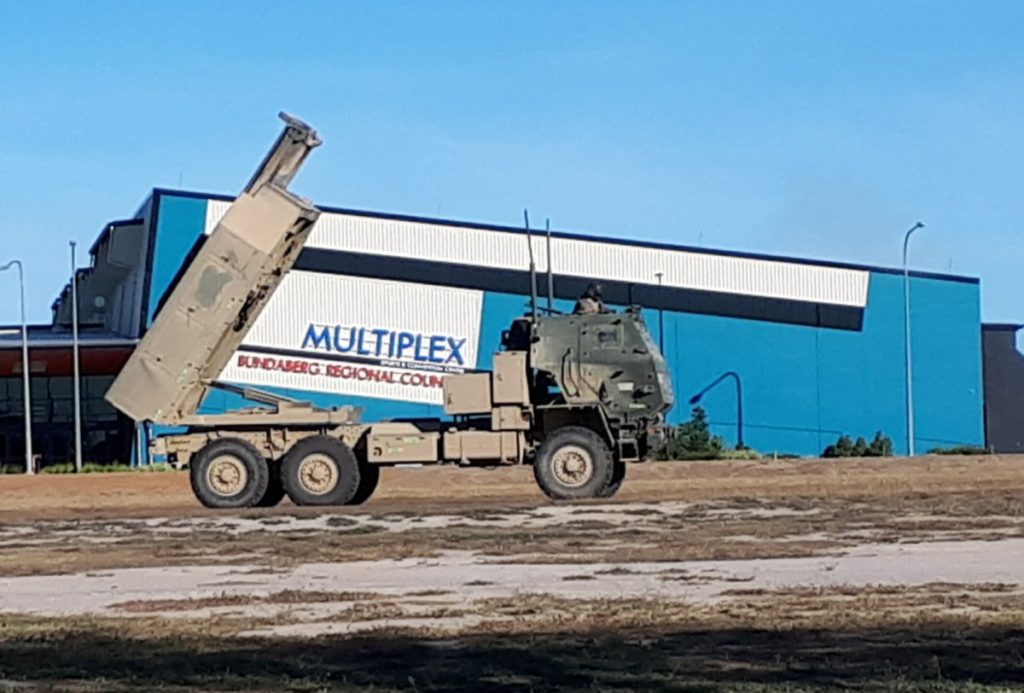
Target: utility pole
26	367
75	360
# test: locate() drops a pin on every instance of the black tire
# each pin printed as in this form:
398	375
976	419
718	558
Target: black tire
320	459
229	473
565	446
275	489
369	477
618	476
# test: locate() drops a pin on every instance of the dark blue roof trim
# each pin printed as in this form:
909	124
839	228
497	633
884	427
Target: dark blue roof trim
570	287
147	284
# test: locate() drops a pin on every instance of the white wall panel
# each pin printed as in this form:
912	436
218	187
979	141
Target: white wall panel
367	337
682	269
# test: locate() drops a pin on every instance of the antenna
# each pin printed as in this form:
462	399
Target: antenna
533	267
551	276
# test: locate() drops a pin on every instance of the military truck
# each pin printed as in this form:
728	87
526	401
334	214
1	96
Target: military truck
575	396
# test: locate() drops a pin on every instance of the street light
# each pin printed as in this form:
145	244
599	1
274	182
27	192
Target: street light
739	402
25	367
908	360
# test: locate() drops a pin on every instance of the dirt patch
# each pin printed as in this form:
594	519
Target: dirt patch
673	530
888	641
139	606
459	579
435	489
794	575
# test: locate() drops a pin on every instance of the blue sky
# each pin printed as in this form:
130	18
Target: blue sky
814	129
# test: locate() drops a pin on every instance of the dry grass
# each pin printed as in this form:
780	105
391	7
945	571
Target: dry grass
281	597
734	529
938	637
435	489
936	606
941	637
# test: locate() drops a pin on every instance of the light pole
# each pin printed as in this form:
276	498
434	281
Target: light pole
909	363
75	361
661	315
25	367
739	402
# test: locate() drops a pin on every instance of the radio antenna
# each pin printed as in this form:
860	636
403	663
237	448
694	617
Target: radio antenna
551	276
533	266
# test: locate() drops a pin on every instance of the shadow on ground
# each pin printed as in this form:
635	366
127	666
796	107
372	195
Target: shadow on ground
693	660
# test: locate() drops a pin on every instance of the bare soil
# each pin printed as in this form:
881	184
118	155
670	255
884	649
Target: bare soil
905	640
99	496
777	575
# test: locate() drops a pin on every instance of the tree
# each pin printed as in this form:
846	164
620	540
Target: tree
880	446
693	440
843	447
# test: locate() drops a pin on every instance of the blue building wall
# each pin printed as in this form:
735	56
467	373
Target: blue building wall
179	222
802	386
805	386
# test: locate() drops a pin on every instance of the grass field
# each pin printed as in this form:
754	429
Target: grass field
776	575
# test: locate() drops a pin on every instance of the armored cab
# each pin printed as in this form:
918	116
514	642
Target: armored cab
578	396
604	362
605	359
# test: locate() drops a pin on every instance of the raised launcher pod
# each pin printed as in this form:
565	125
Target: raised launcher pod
238	267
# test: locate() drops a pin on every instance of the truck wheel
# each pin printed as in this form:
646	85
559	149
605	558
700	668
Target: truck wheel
573	463
229	473
320	470
369	476
618	476
275	489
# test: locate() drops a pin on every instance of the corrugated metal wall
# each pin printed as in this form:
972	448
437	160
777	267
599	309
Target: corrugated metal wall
588	258
803	385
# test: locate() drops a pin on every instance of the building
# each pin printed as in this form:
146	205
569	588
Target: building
1004	394
107	435
380	306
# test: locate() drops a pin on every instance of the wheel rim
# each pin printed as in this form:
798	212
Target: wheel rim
227	476
573	466
318	474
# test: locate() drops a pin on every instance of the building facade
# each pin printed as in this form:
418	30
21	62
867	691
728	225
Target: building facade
379	307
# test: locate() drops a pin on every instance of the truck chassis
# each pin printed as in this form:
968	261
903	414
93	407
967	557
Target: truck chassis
576	396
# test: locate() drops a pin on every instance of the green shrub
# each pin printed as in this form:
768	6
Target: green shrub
693	440
880	446
959	450
741	454
160	467
841	448
99	468
12	469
